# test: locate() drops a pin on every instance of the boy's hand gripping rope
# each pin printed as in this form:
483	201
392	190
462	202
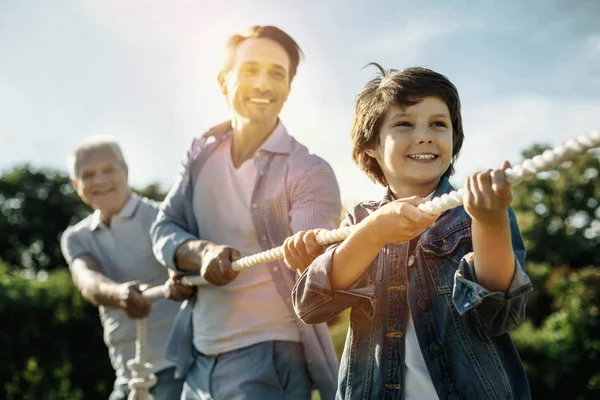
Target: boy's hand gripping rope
143	379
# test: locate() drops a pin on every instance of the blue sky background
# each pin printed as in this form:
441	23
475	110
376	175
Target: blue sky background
145	71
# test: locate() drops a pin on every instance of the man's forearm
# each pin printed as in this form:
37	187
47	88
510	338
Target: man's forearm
188	256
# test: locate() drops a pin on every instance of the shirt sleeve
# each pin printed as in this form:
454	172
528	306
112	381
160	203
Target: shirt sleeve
172	225
502	311
72	245
315	197
315	301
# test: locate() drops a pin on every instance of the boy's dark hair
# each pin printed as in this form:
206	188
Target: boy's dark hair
267	32
405	88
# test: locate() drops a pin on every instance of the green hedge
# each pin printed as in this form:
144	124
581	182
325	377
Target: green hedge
52	346
562	354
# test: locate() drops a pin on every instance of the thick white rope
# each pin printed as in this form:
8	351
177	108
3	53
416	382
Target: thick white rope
142	378
526	170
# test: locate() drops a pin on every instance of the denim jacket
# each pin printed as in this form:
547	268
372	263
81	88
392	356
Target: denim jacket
294	191
461	327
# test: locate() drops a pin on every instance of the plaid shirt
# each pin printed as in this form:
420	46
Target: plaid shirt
294	191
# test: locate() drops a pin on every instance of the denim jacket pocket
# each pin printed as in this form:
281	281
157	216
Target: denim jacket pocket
442	255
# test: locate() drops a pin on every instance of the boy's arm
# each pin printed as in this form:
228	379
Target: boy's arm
493	277
339	278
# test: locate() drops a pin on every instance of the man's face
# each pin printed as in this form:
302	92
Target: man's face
101	181
258	83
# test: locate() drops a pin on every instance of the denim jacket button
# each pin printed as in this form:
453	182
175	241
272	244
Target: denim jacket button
435	348
423	303
411	261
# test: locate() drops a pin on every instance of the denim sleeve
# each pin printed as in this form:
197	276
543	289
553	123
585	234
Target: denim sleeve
500	311
315	301
172	226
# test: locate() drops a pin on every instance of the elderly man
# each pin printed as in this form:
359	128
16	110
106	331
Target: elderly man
245	187
111	261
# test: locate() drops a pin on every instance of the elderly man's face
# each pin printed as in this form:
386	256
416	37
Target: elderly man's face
258	83
102	181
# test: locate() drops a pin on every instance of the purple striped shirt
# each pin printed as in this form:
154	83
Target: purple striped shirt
294	191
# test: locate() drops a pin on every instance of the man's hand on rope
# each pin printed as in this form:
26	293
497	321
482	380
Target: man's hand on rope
488	195
212	260
301	249
129	298
216	264
177	291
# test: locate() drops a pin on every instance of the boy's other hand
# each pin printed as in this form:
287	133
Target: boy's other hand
488	195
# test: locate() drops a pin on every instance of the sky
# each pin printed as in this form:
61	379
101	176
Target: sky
145	72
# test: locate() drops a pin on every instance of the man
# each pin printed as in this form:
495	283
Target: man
111	261
245	187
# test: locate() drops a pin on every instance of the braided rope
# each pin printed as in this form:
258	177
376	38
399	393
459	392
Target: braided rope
143	379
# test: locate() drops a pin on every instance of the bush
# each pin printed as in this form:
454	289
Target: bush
52	340
562	355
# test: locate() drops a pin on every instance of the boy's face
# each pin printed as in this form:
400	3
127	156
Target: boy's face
258	83
102	181
415	146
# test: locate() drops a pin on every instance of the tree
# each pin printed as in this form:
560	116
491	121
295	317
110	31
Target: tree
559	212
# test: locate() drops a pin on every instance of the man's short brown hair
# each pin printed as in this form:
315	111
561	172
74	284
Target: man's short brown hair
405	88
267	32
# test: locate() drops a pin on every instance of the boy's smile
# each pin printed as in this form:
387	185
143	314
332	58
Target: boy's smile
415	146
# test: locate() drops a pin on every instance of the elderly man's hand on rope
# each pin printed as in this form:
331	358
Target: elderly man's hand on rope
177	291
301	249
129	298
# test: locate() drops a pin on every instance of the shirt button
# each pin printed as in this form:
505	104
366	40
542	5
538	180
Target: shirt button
453	396
275	269
435	348
254	205
423	303
264	238
411	261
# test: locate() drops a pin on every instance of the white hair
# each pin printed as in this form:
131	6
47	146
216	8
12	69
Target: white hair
93	144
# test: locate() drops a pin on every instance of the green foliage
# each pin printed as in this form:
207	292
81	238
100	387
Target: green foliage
52	346
559	213
562	355
35	206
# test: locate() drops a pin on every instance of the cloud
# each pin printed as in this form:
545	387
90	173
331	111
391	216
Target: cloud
417	33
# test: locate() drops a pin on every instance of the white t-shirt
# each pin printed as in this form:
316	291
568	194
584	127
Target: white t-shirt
249	309
417	381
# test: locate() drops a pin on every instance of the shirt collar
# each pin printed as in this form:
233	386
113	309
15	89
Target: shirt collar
279	141
127	212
